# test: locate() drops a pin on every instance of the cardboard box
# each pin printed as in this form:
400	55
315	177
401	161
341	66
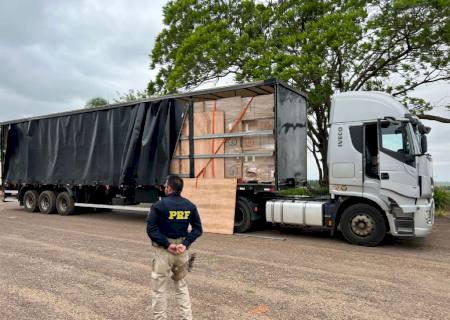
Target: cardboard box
258	143
260	108
260	169
233	168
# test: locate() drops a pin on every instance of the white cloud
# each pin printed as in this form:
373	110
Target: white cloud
60	54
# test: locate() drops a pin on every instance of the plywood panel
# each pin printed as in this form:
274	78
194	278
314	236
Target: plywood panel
182	148
180	166
203	122
203	125
215	200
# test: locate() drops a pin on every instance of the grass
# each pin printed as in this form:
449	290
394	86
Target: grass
441	213
312	189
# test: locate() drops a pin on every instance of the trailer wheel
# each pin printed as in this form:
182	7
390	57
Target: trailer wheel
65	205
243	215
30	201
47	202
363	225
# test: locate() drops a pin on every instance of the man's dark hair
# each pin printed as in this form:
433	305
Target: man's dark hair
175	182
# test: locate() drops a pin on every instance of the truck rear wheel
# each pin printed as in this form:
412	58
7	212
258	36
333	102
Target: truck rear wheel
47	202
363	225
30	201
243	215
65	205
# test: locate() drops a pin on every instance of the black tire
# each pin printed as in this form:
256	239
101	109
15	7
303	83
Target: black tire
243	215
65	205
363	225
30	201
47	202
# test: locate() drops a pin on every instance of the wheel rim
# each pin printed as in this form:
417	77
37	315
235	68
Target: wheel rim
45	203
362	225
63	204
29	202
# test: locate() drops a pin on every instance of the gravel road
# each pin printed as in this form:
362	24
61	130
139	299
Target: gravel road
97	266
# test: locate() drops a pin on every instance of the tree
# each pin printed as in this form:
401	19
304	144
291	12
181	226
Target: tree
320	47
96	102
131	95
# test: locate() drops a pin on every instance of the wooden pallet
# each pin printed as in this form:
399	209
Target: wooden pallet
215	200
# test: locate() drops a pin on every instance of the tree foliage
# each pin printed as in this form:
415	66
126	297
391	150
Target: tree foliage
320	47
96	102
131	95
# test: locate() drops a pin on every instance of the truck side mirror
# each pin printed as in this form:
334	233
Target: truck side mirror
423	143
424	129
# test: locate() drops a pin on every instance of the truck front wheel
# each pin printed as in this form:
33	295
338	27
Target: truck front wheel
30	201
363	225
65	205
47	202
243	215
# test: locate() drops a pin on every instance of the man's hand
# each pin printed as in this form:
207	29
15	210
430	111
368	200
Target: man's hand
173	249
181	248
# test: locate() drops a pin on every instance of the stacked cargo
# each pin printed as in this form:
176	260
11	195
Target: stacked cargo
233	138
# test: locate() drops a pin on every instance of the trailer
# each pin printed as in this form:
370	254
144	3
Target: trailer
118	156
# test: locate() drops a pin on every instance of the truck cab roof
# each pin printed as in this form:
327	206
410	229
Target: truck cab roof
357	106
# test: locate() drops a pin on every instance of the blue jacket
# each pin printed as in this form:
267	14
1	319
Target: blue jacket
170	218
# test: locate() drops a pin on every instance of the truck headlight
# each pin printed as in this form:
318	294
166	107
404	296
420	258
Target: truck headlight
428	216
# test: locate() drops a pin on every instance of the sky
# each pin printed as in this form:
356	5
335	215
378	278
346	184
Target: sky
56	55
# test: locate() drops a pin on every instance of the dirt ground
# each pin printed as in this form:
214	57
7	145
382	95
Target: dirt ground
97	266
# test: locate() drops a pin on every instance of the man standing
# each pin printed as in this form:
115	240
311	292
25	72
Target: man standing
167	227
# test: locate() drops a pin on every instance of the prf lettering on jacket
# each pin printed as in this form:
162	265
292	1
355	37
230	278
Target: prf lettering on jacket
179	215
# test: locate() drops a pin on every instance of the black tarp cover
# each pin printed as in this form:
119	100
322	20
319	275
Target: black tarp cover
129	145
291	137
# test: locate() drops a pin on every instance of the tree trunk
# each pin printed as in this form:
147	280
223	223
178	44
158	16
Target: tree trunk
432	117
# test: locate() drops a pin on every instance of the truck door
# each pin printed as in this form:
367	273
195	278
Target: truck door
397	163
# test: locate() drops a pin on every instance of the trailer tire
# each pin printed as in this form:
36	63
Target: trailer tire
65	205
243	215
47	202
363	225
30	201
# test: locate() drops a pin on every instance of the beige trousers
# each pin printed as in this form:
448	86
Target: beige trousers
163	261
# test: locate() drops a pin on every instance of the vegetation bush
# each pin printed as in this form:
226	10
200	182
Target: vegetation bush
441	200
312	189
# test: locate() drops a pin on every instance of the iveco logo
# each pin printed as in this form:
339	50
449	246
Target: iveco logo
340	137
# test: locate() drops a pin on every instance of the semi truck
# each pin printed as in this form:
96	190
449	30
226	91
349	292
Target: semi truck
117	157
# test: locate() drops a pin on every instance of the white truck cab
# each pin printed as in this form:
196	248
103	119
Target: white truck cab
380	175
377	158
